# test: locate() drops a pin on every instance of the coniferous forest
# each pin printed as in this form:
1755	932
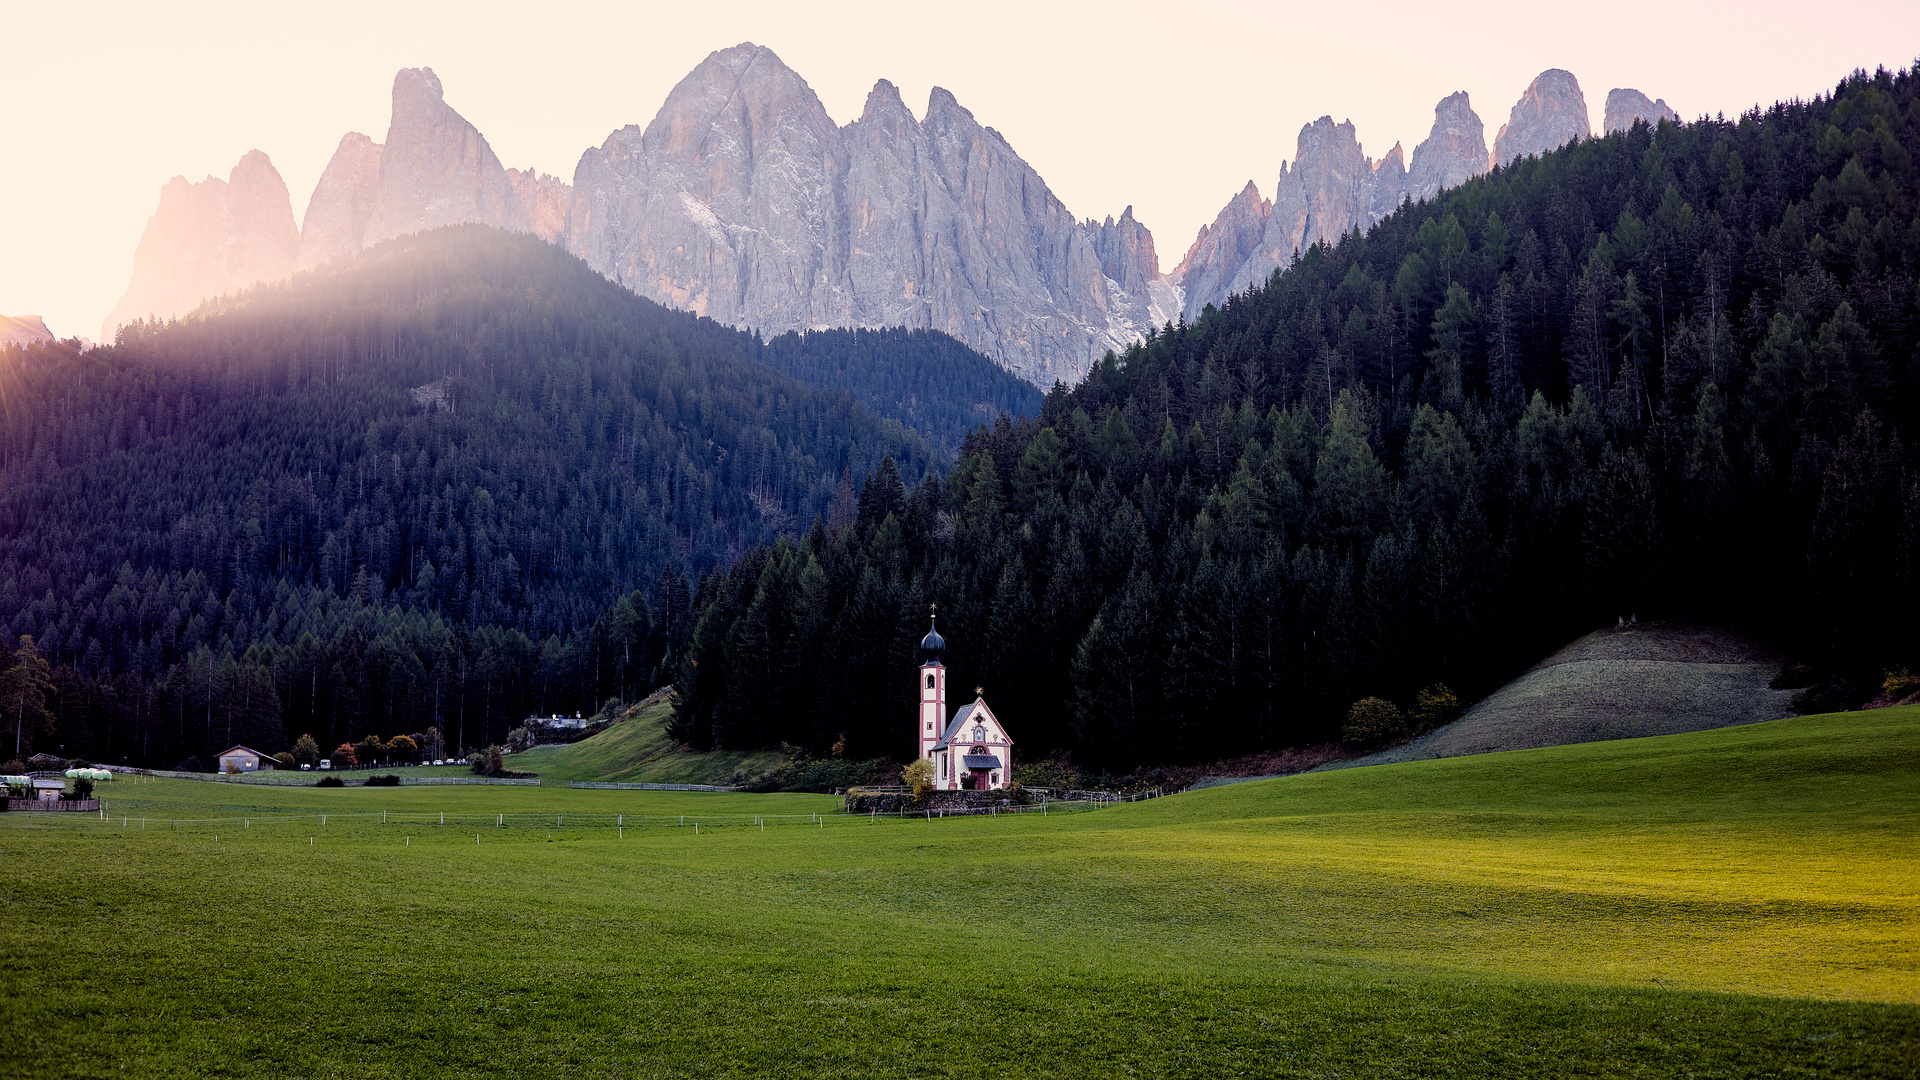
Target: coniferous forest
457	481
1668	372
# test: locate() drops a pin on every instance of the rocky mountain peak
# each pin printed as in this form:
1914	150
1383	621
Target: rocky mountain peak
1390	184
1454	151
1625	106
436	168
20	331
1125	249
1551	114
210	238
342	202
743	201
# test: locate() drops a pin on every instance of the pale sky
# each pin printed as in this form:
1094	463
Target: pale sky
1169	107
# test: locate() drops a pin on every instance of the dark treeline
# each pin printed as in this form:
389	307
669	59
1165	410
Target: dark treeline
926	380
1670	371
460	480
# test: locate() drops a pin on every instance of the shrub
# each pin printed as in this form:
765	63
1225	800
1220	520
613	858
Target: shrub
1056	773
1372	722
486	762
919	777
190	763
83	788
1900	683
286	760
1435	706
232	768
388	780
330	781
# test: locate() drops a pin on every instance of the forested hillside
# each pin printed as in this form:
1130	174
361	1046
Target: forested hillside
926	380
460	479
1668	371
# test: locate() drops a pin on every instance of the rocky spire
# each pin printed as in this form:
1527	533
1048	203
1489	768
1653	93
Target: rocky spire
1551	114
436	169
342	203
1626	106
1454	152
207	239
1222	248
1390	183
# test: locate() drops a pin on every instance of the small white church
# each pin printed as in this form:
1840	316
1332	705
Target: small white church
970	751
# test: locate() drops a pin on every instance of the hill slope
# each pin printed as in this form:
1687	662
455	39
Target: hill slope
637	750
1618	683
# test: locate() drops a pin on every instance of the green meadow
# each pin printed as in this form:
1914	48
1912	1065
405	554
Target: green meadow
1740	902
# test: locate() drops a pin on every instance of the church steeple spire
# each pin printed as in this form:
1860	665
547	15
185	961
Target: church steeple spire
933	686
933	644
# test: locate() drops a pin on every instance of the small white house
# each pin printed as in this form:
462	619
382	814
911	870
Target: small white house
971	751
48	790
241	759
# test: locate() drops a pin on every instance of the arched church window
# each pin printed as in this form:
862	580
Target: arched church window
929	681
979	750
979	733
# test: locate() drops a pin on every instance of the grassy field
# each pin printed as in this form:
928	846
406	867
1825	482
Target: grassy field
1741	902
638	751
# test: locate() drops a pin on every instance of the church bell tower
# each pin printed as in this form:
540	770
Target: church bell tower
933	691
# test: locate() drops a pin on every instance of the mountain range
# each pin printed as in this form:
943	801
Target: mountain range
743	201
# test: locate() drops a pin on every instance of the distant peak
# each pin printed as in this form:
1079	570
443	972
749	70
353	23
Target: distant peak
420	80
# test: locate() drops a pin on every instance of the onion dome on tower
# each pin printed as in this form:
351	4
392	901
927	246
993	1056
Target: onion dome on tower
932	645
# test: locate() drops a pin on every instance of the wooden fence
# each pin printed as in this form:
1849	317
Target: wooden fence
32	805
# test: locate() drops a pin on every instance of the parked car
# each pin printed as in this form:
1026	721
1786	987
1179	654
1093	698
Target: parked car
326	763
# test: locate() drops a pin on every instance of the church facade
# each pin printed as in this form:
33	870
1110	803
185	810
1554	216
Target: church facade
970	750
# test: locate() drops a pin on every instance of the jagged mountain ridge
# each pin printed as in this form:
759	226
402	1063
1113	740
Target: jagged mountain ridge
744	201
1331	187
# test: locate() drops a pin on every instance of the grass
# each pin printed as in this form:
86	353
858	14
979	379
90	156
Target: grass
638	751
1739	902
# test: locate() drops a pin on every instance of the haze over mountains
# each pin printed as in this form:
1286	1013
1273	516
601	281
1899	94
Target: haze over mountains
743	201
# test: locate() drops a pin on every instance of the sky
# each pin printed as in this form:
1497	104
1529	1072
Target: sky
1167	107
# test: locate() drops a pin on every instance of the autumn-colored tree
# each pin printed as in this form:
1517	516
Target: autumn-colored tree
345	758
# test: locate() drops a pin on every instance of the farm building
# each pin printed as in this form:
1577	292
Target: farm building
241	759
970	751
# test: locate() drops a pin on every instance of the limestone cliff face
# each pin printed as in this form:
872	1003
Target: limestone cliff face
1454	152
1222	248
544	200
342	203
436	169
1328	190
1626	106
1392	184
744	202
20	331
207	239
1551	114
